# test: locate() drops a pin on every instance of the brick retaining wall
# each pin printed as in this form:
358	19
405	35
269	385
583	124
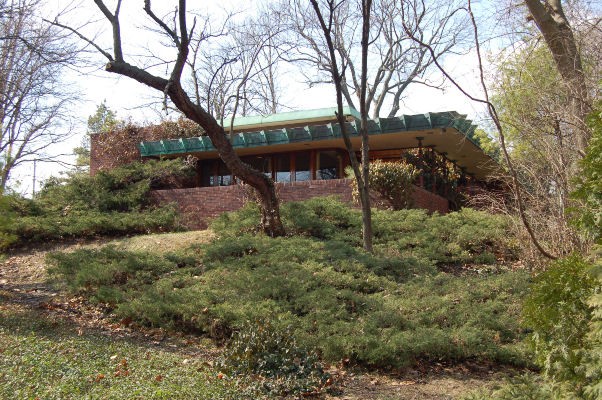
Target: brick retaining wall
200	204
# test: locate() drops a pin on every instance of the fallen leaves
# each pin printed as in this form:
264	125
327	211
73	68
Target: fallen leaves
122	368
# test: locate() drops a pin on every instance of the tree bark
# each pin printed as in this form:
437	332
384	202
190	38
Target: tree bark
554	26
172	88
337	78
269	205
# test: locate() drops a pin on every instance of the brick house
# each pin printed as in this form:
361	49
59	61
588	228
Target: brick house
305	155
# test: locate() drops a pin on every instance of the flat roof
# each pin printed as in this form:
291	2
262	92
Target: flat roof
302	117
448	132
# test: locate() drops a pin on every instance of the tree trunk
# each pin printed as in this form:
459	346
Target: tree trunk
269	205
556	30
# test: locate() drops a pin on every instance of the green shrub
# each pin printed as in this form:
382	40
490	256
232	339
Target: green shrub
386	309
275	358
467	236
392	181
109	203
557	311
7	218
589	182
593	358
526	387
121	189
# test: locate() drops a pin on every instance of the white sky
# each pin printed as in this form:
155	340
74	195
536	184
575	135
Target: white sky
131	99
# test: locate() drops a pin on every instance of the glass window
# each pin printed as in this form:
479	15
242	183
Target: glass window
328	165
224	177
260	163
282	167
302	170
207	173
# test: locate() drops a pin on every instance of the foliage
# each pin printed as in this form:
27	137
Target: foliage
121	146
593	358
538	127
467	236
48	359
336	298
104	120
392	181
525	387
273	355
564	307
487	144
557	311
110	202
589	182
6	220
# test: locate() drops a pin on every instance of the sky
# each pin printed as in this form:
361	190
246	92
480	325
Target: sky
132	100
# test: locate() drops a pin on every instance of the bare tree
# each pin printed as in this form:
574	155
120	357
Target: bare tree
395	60
556	30
551	146
240	75
330	56
179	33
33	99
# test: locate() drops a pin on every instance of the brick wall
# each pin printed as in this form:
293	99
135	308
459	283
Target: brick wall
429	201
198	205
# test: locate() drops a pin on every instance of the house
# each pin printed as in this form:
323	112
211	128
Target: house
304	153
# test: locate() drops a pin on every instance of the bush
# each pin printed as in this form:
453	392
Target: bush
527	387
275	359
7	218
386	309
108	203
589	182
593	358
467	236
392	181
557	311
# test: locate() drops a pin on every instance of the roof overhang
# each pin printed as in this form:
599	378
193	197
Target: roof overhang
448	133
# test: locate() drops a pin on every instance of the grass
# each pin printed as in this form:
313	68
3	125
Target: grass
47	359
163	242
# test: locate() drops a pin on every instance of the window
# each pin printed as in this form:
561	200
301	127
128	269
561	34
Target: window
260	163
207	173
215	173
302	166
328	165
224	176
282	167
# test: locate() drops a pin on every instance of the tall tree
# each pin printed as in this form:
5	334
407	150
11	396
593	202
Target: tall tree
326	15
33	98
104	120
395	60
240	75
558	34
180	35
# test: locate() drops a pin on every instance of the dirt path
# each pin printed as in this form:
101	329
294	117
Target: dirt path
24	284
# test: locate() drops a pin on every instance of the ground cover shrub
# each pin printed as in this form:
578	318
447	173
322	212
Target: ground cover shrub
386	309
592	362
467	236
279	365
108	203
524	387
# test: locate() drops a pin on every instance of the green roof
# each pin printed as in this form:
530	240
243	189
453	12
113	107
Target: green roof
309	132
291	117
